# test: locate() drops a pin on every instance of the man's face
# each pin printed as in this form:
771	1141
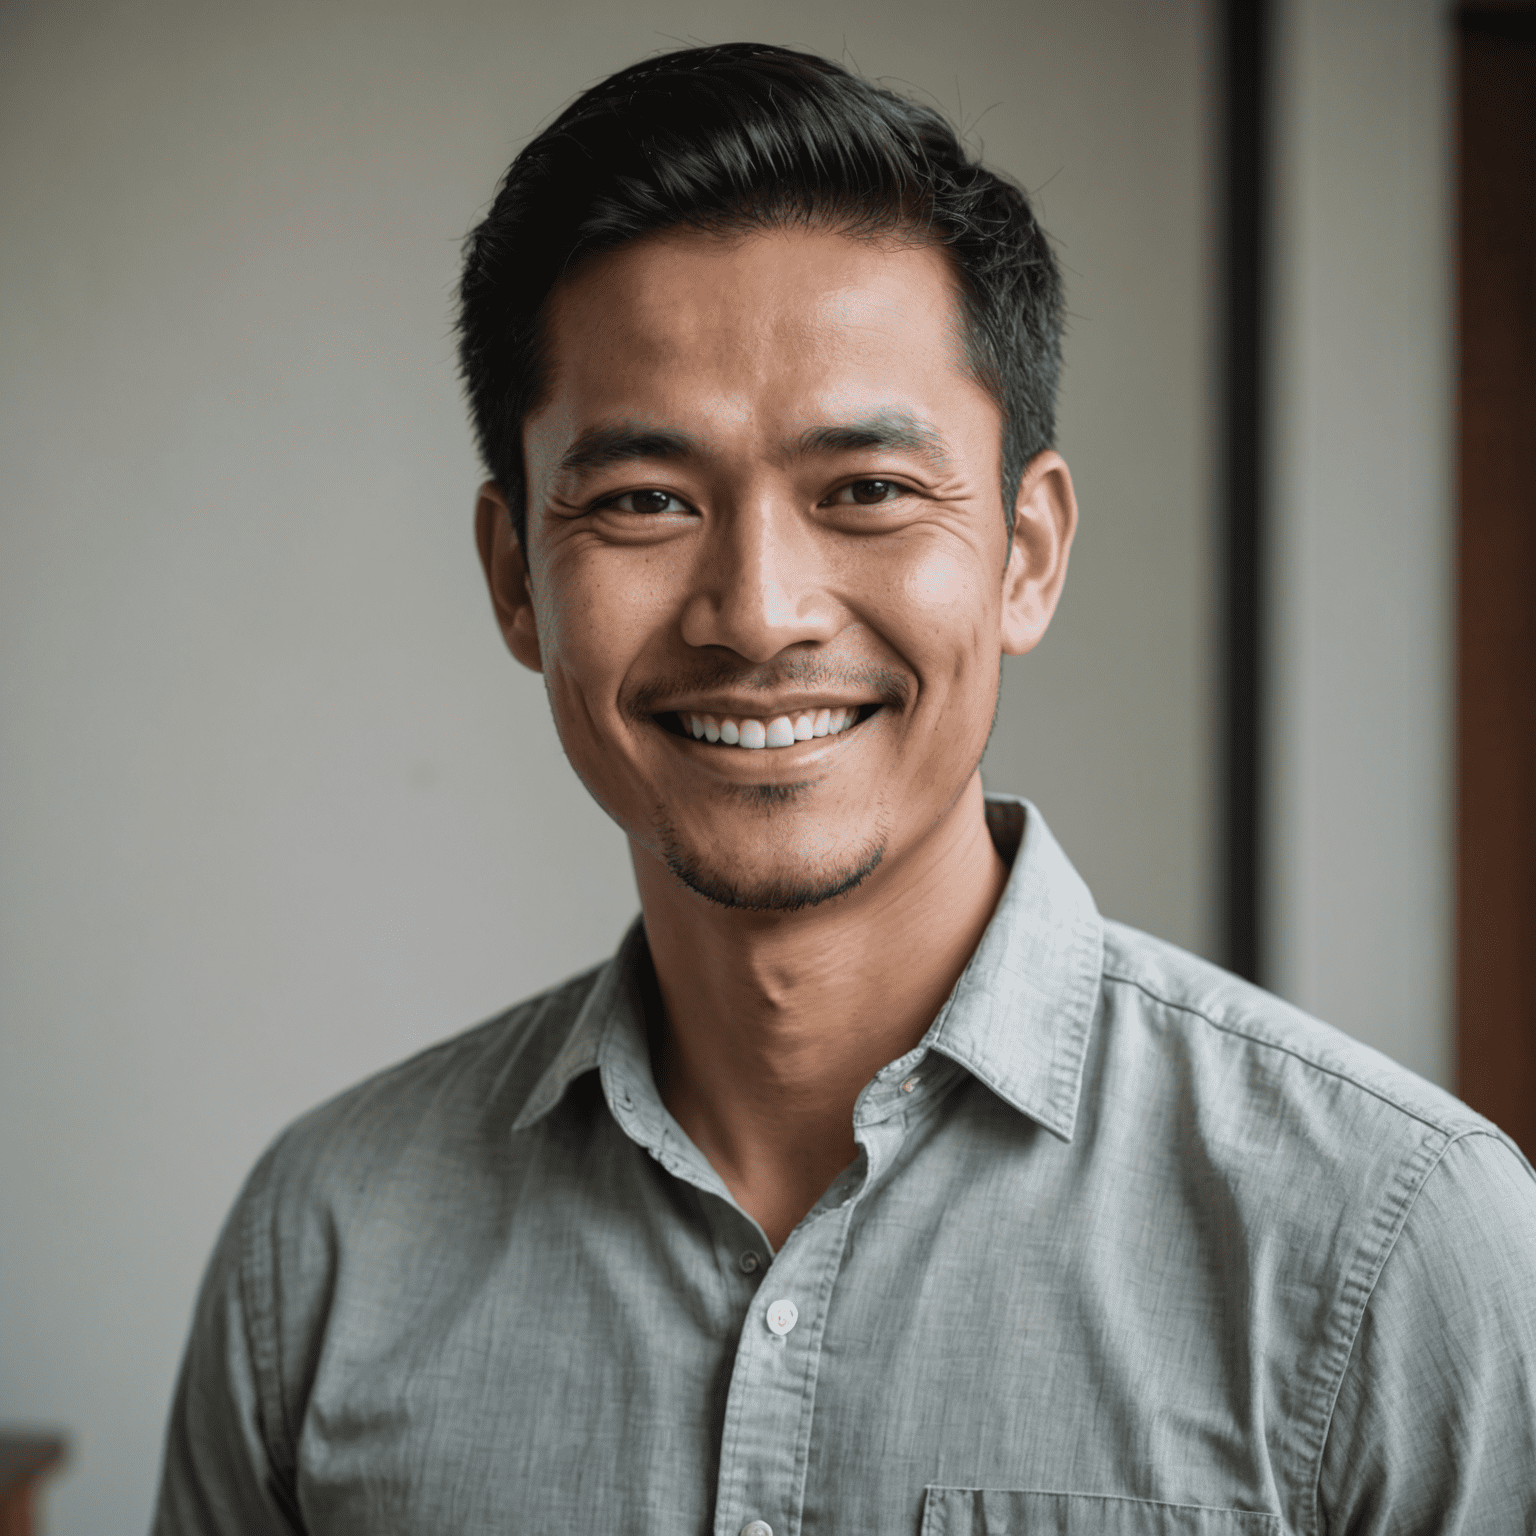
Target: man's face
763	504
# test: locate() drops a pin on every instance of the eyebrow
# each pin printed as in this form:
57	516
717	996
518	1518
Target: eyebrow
887	429
600	447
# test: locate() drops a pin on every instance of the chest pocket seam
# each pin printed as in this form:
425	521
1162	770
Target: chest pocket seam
954	1511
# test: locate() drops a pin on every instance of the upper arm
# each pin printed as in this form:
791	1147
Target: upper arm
220	1475
1434	1426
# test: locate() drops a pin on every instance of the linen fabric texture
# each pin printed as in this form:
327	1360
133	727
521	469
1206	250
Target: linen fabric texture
1129	1247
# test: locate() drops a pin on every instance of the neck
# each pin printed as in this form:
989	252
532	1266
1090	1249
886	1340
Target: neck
775	1022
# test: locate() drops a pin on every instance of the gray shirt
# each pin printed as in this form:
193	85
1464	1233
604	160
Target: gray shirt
1128	1247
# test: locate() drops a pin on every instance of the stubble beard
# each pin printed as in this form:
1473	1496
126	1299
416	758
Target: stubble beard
778	893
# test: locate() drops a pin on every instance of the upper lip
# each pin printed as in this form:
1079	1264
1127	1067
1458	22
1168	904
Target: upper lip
759	708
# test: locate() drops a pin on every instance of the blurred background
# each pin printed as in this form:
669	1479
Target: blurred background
276	808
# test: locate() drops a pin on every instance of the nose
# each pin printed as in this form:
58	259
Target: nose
762	583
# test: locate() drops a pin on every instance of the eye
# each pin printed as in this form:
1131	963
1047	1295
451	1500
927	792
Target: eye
868	493
648	503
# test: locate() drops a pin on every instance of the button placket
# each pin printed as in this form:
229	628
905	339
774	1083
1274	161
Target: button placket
766	1435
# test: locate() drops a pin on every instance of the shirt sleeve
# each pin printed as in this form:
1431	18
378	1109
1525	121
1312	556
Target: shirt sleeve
1434	1427
220	1476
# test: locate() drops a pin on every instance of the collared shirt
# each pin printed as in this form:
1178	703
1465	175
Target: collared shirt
1128	1247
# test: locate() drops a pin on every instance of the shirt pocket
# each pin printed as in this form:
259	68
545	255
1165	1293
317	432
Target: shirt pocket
1012	1512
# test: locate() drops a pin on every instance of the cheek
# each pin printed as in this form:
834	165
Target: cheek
603	612
945	605
592	621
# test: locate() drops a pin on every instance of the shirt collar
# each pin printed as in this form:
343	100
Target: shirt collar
1018	1019
1020	1015
614	1012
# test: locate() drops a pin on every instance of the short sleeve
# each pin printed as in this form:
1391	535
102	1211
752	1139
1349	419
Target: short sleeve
1434	1427
218	1476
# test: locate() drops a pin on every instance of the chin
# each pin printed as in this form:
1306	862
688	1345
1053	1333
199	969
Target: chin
776	884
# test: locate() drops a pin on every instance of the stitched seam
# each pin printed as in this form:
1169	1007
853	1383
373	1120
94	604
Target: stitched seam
258	1310
1389	1220
730	1438
1069	1078
1286	1050
1116	1498
808	1408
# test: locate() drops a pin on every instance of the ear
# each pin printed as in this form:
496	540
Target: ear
506	574
1044	520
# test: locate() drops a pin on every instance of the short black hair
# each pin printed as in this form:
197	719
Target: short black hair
739	137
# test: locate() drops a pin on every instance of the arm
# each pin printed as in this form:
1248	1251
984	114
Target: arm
220	1475
1434	1427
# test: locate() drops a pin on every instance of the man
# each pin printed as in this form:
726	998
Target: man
877	1184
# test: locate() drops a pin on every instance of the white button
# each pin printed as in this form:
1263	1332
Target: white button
757	1528
910	1086
782	1316
749	1262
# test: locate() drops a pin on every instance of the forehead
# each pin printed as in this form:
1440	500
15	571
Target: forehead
778	324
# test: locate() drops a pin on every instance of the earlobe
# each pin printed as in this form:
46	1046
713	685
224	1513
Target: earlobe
506	574
1044	521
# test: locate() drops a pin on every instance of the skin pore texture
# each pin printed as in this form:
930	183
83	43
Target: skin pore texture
763	486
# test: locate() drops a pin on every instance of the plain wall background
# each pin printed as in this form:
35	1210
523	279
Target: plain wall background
275	807
278	807
1361	815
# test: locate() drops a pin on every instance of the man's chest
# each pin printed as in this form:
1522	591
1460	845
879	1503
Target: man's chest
640	1365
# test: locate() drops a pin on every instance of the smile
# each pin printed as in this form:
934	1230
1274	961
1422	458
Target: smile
776	731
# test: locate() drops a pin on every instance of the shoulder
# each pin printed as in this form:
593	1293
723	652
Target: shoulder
1319	1141
1385	1232
1431	1425
386	1175
452	1103
1199	1009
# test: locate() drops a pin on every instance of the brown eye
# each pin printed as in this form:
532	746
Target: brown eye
869	493
649	501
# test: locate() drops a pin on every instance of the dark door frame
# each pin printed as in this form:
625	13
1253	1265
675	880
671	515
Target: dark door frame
1496	566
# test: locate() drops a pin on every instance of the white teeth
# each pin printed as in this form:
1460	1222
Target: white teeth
780	731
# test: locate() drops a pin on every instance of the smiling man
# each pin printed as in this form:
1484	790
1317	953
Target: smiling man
877	1184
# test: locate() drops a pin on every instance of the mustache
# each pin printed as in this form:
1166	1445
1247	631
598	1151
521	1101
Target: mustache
803	672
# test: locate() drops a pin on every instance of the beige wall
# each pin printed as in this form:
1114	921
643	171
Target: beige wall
276	807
